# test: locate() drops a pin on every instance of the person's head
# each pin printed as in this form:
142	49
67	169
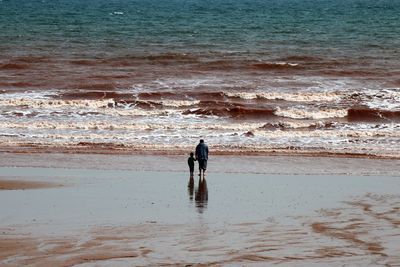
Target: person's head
201	141
191	154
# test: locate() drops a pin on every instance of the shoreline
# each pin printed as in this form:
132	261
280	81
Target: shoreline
177	162
115	149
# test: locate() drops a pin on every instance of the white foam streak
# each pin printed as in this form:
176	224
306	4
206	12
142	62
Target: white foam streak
293	97
387	99
50	103
331	135
303	113
101	106
178	103
306	120
111	126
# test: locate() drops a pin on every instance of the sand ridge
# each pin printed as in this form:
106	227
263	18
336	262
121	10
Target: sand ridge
349	234
24	185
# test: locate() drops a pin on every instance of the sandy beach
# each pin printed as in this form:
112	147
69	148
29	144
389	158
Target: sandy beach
101	103
76	210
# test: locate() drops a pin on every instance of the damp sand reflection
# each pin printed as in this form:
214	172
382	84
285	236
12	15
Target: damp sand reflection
200	193
147	219
361	232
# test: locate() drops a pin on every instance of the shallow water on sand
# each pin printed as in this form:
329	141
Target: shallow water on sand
112	196
124	217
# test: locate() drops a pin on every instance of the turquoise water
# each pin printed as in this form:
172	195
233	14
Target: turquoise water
270	27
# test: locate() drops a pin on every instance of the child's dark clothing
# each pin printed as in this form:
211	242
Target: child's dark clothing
191	164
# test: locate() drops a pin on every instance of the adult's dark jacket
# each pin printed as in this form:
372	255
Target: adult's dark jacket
202	151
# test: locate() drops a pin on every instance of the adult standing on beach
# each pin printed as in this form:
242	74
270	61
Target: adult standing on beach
202	156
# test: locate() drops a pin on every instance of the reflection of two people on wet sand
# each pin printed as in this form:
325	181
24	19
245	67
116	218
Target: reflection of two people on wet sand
200	194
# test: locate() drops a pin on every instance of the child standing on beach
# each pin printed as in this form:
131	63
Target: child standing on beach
191	161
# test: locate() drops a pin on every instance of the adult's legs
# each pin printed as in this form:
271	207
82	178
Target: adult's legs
201	166
204	165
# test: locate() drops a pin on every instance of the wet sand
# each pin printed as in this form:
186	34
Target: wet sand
22	185
154	149
137	211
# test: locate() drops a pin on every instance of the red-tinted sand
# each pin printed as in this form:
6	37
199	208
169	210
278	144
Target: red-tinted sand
124	217
349	235
22	185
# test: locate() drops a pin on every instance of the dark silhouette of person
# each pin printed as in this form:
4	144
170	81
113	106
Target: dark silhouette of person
191	161
201	196
191	187
202	156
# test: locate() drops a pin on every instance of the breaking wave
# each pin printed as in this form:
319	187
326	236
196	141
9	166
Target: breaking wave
294	97
372	115
235	112
228	119
275	65
303	113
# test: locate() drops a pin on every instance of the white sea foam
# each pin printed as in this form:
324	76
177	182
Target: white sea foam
306	124
283	63
317	134
294	97
387	99
80	104
350	140
54	103
178	103
113	126
300	112
36	118
27	95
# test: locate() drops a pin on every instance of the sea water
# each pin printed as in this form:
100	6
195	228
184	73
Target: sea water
249	75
